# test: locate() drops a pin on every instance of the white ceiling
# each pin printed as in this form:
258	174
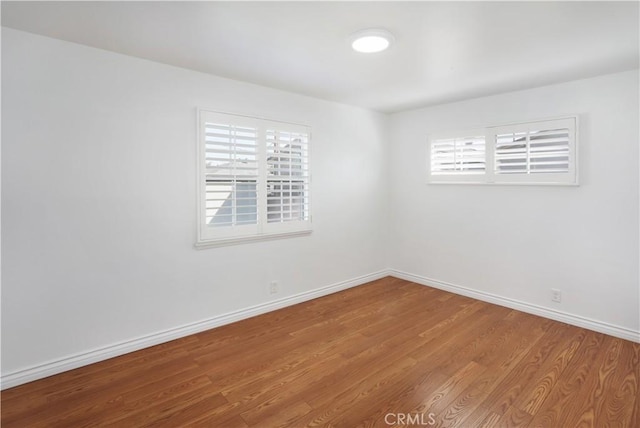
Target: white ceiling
444	51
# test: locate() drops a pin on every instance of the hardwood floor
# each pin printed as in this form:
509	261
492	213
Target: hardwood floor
388	353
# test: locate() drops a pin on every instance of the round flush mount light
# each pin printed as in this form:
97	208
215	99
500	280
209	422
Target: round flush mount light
371	41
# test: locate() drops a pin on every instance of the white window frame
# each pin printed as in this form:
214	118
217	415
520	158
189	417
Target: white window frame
208	236
489	177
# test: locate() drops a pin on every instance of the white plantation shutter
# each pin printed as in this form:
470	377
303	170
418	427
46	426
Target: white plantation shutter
287	176
511	153
231	162
457	157
254	178
549	151
461	155
535	152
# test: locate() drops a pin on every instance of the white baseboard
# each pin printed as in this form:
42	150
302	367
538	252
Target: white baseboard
82	359
576	320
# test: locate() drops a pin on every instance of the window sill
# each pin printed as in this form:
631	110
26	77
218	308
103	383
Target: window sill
213	243
509	183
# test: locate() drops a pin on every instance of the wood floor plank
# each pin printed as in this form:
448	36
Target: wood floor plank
539	388
279	392
593	391
520	377
323	356
279	416
132	402
190	405
327	411
184	416
514	417
445	394
390	347
512	363
620	400
399	398
83	379
558	403
232	422
92	397
490	420
469	406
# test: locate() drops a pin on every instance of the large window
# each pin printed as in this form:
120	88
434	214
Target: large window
254	178
540	152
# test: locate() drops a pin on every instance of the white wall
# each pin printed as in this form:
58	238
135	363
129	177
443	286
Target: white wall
99	199
518	242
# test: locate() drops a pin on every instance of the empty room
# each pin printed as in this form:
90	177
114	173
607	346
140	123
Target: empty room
330	214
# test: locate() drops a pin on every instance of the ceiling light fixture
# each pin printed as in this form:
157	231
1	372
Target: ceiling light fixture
371	40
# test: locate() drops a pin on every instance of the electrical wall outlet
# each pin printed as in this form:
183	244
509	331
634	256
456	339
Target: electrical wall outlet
274	287
556	295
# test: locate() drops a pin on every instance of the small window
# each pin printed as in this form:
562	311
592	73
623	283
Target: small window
541	152
254	179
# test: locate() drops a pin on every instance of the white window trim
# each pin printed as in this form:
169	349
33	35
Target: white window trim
262	230
489	177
